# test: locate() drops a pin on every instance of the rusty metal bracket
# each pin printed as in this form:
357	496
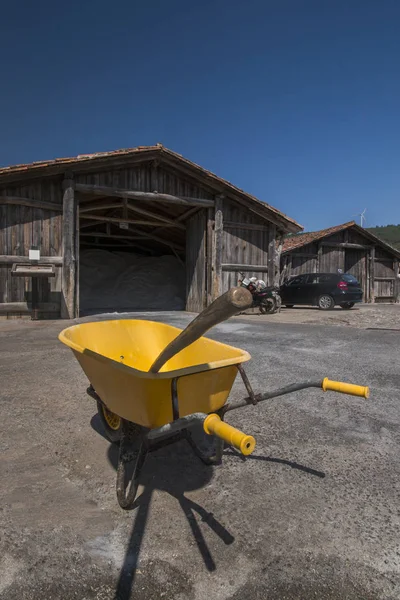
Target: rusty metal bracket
252	397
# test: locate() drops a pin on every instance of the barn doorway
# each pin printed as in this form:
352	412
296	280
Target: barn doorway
131	258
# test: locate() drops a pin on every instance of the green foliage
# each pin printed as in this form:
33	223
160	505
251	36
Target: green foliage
388	233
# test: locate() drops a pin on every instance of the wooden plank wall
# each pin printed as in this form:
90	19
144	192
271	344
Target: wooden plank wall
146	177
24	226
196	297
244	242
385	275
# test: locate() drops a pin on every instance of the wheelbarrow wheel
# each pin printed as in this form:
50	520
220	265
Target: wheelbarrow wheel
111	422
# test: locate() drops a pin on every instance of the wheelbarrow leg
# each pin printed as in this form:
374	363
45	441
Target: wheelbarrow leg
128	453
215	459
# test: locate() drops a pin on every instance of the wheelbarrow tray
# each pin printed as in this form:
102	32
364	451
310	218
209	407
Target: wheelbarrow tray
116	356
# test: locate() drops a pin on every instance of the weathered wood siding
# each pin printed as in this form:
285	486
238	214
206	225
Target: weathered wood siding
374	267
196	293
245	242
24	226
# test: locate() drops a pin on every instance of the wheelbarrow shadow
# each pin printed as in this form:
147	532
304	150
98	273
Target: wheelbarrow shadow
273	459
176	471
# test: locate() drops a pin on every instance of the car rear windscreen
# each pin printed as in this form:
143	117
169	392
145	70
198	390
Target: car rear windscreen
349	278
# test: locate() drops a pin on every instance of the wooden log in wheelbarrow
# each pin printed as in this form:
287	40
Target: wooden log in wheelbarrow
153	383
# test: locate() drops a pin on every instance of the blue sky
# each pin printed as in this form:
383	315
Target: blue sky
295	101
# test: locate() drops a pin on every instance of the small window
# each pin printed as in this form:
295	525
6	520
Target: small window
296	280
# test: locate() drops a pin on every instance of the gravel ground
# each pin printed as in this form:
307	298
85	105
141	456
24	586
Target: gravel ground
313	513
363	316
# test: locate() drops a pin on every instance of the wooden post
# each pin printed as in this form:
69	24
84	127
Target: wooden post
217	250
271	254
68	285
209	255
396	283
319	257
372	274
277	263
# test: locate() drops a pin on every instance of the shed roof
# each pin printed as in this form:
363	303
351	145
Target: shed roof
84	162
302	239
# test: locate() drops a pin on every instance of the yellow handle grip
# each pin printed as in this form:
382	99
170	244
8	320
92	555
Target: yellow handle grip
239	440
345	388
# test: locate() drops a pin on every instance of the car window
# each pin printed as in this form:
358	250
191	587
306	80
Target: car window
349	278
297	280
318	278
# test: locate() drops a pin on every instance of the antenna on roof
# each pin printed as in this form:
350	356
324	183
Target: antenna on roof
362	217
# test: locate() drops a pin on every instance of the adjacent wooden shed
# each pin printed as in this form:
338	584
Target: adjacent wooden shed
147	200
348	247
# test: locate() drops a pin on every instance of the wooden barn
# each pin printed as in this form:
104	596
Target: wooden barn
348	247
146	207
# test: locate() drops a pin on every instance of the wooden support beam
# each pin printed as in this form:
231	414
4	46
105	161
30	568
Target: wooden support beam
91	224
102	219
244	267
187	214
87	208
391	260
158	239
271	255
396	285
10	259
68	284
217	250
249	226
345	245
26	307
101	190
385	278
372	274
209	254
305	254
116	236
162	218
30	202
137	236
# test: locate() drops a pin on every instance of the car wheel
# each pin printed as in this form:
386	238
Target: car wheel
267	306
326	302
347	305
289	305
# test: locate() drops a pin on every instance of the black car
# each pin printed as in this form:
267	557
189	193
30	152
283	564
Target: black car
324	290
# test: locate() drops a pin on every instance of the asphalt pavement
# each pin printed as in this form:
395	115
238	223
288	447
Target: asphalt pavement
313	513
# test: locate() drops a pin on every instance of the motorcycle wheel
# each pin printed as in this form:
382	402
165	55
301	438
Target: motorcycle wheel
268	306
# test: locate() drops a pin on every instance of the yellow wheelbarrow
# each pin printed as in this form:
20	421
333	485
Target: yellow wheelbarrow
145	410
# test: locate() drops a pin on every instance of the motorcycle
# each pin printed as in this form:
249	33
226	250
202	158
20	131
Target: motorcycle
266	298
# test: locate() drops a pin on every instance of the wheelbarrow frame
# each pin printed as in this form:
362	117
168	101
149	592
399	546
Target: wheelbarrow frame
136	441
